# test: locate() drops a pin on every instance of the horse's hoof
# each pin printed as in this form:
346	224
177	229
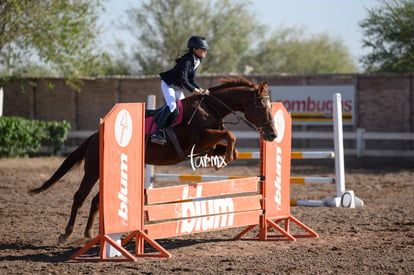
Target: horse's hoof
62	238
228	160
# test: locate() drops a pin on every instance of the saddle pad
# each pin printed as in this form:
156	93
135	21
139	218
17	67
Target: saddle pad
151	124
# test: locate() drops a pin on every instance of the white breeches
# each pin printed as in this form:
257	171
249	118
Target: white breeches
171	95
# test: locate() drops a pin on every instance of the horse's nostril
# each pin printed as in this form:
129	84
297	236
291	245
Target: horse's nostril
273	136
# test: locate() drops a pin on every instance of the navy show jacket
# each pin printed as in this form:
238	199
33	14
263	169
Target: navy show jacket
182	74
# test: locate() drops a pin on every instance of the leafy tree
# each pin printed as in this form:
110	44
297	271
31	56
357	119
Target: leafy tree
161	27
389	33
289	50
60	34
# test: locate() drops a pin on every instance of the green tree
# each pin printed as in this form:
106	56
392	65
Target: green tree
389	33
290	50
161	29
60	34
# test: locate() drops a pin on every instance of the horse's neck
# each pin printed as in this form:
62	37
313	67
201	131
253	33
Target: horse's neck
233	100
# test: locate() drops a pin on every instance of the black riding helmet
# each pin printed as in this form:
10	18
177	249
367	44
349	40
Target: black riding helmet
197	42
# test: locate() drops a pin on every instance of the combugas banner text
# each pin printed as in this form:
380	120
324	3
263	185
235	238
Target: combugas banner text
313	105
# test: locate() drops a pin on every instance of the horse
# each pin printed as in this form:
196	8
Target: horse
200	132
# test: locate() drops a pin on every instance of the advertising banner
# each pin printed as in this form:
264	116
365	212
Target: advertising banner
313	105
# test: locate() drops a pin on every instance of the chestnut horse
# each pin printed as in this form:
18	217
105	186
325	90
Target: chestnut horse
202	129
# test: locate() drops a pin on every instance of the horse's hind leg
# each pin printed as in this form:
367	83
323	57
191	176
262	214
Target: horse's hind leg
92	214
85	188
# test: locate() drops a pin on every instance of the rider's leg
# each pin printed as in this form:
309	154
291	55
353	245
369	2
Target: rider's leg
159	136
170	95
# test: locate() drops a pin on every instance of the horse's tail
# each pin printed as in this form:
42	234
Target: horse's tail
74	158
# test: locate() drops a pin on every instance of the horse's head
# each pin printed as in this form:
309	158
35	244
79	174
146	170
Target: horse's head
240	94
260	113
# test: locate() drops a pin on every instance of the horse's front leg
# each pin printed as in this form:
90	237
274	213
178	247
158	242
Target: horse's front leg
213	136
220	150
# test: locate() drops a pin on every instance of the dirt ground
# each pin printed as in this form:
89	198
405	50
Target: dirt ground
377	238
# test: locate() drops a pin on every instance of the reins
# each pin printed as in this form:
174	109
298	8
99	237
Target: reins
195	110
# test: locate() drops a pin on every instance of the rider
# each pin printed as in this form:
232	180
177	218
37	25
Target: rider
181	76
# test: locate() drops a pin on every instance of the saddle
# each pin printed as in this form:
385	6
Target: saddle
151	117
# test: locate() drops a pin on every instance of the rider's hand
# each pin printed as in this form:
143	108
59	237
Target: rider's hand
200	91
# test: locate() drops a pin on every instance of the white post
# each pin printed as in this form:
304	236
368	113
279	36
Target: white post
344	198
338	145
1	101
149	169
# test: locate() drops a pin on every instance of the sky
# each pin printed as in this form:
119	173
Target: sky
338	18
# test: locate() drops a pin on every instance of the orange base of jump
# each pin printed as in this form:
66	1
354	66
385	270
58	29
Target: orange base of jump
267	224
140	239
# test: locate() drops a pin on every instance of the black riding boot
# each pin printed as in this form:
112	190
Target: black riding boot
159	136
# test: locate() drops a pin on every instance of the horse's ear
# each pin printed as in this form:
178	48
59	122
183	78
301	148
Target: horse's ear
263	88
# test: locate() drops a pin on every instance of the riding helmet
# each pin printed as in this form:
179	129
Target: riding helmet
197	42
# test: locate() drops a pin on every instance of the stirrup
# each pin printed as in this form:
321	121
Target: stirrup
158	138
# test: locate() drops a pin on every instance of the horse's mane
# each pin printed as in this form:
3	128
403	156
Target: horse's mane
237	81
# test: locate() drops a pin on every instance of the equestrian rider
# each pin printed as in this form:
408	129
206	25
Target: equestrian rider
173	81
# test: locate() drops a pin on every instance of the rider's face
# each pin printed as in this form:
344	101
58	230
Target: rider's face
200	52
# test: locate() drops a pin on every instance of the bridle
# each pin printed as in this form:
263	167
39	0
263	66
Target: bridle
257	105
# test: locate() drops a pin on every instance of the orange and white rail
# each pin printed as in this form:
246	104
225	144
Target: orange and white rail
191	177
294	155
